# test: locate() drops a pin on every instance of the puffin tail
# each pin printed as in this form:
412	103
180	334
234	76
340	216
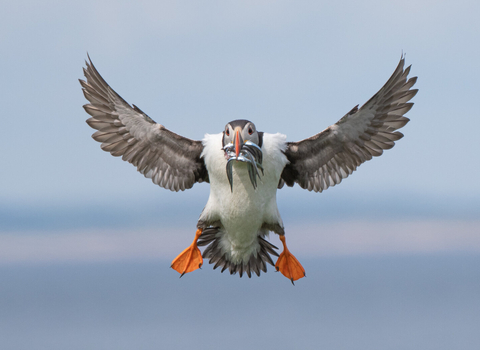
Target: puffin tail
211	237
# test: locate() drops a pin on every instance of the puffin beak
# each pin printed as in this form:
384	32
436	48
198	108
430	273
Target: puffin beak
237	141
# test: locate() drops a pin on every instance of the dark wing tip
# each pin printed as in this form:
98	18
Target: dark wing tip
324	159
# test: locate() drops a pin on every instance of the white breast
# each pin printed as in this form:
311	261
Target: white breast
243	210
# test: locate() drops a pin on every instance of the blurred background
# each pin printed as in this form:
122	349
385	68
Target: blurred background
391	254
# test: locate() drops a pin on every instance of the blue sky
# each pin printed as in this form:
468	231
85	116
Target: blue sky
290	67
391	253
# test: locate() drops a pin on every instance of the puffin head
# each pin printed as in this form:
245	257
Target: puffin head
242	143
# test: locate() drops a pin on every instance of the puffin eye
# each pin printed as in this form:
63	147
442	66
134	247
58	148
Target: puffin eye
250	130
227	132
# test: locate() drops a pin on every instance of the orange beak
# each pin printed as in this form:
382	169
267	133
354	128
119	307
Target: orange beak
237	142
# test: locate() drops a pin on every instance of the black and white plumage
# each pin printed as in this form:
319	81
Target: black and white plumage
245	167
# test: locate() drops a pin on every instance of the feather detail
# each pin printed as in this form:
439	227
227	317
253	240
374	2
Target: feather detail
323	160
126	131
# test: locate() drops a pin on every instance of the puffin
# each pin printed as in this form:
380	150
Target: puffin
245	167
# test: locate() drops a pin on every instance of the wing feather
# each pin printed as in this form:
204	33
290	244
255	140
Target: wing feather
323	160
170	160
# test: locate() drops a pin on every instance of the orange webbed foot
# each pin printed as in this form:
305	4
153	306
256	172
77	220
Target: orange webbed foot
288	265
190	259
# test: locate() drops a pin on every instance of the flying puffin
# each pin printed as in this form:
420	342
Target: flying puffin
245	167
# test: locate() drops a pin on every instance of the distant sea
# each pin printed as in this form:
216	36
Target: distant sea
381	302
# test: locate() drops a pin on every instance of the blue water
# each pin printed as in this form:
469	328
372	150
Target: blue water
403	302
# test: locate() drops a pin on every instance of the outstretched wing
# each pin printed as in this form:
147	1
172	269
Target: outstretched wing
326	158
170	160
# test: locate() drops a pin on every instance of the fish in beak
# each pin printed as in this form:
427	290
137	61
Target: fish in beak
243	151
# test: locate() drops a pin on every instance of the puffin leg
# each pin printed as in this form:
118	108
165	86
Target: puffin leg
190	259
288	265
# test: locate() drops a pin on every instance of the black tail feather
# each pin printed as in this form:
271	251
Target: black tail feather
210	237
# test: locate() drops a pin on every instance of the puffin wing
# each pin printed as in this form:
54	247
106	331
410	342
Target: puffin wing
326	158
170	160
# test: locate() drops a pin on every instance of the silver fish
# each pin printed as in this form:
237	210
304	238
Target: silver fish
229	172
251	154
